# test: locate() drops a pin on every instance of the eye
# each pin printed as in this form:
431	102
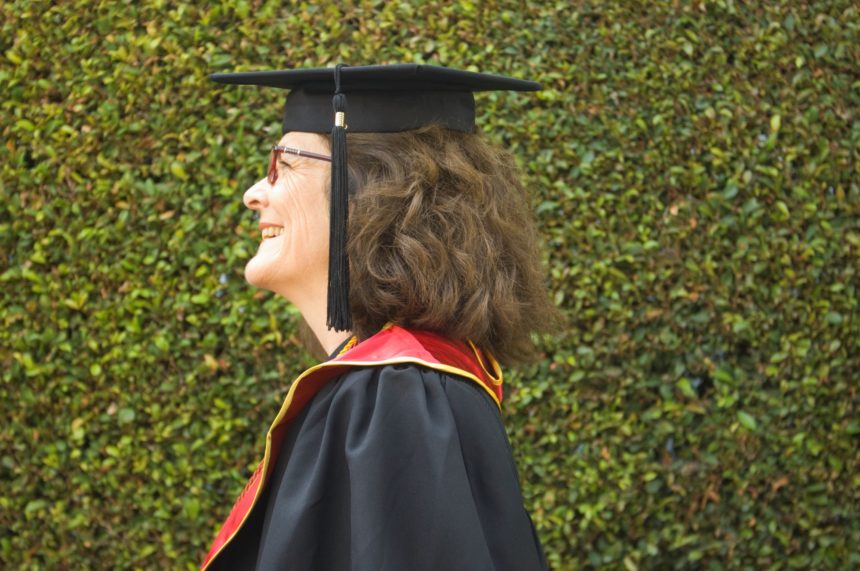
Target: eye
284	164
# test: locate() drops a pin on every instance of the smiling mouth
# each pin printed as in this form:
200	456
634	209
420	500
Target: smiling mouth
271	232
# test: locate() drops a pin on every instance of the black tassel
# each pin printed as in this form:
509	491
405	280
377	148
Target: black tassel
339	314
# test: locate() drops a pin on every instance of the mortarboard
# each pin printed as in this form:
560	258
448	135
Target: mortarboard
382	99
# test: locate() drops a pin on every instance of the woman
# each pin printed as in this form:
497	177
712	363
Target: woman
412	258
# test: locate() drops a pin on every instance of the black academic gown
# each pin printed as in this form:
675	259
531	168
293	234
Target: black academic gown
391	468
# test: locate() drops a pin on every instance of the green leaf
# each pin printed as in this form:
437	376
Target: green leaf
724	376
178	170
775	123
34	506
747	420
125	415
833	318
730	190
192	508
686	388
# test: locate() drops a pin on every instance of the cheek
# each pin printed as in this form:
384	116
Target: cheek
305	215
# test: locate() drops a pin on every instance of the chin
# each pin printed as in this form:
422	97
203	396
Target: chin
281	274
259	273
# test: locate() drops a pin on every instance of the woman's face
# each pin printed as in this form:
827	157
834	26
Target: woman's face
296	260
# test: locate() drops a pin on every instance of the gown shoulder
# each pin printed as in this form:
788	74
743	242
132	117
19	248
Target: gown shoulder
392	467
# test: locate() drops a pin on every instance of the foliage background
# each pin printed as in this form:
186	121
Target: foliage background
695	177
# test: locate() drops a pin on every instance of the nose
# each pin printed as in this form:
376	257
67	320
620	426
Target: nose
256	197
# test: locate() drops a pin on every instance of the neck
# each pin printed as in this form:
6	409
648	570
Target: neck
314	313
328	338
310	298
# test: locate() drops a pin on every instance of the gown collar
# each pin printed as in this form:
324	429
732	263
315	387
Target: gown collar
342	347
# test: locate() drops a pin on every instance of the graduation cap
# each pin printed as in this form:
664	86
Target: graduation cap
382	99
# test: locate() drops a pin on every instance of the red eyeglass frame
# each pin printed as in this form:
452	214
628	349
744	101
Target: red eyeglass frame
272	173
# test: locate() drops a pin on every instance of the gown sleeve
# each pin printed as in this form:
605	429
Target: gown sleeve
393	468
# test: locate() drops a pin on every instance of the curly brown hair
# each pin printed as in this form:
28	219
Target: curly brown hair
441	237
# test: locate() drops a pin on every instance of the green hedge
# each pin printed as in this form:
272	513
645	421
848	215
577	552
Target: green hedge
695	177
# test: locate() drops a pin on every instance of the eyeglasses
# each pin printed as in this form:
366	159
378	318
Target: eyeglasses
272	174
